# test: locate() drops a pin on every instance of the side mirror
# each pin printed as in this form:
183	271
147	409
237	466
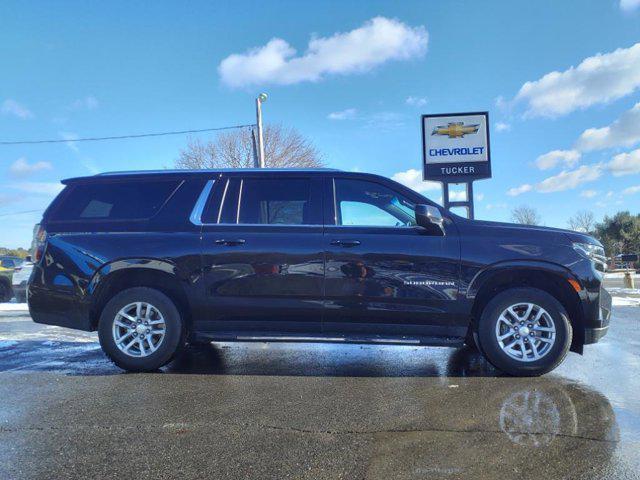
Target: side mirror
27	258
430	218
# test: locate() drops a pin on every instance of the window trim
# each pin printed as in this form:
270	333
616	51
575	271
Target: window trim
198	209
335	207
68	192
196	215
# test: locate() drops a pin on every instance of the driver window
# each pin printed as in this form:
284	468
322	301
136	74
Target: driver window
362	203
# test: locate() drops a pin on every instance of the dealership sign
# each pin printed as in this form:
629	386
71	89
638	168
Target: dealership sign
455	147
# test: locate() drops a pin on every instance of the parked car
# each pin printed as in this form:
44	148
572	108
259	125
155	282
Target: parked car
20	278
7	265
153	260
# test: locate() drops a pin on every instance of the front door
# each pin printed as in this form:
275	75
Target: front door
262	255
384	274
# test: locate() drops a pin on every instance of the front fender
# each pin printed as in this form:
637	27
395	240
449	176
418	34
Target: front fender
485	275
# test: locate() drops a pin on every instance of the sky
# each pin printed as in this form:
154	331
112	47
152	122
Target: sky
560	80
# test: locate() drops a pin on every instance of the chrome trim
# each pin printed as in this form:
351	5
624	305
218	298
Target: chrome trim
239	201
275	338
198	209
291	339
335	203
224	196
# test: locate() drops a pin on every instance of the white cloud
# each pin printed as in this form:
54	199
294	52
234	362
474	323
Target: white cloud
87	103
348	114
384	120
457	196
569	179
515	191
479	197
631	190
41	188
494	206
624	132
549	160
625	163
629	5
70	137
601	78
22	168
588	193
502	127
11	107
412	178
376	42
416	101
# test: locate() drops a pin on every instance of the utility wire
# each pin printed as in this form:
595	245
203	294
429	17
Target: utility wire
19	213
120	137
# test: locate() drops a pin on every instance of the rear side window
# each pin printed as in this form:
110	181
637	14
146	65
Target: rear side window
275	201
130	200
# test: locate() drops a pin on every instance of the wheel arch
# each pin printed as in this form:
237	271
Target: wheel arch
120	275
545	276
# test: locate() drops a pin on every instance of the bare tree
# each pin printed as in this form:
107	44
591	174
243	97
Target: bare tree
525	215
582	221
283	147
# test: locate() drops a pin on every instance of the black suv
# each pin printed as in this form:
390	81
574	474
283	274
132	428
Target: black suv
155	260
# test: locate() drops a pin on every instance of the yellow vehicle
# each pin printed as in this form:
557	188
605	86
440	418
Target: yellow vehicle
7	265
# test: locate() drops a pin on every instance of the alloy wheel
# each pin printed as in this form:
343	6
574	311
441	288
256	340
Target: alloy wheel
525	332
139	329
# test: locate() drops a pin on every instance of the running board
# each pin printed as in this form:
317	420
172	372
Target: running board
370	339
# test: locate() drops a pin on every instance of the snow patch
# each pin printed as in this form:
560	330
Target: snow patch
14	307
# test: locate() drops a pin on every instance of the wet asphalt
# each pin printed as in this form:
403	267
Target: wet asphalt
257	410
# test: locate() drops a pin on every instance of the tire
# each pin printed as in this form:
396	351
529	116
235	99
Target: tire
552	348
163	314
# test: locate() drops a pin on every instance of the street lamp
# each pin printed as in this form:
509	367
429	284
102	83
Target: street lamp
259	101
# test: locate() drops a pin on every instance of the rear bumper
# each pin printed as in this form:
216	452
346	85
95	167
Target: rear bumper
56	304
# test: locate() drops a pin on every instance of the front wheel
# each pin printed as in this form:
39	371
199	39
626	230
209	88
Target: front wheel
524	332
140	329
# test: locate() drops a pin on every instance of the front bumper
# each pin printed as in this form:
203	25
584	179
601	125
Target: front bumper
593	333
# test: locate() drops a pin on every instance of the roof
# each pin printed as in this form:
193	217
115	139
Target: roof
195	172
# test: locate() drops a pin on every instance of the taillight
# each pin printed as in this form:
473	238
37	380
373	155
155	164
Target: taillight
40	241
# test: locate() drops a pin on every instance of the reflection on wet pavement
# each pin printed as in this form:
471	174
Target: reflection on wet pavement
255	410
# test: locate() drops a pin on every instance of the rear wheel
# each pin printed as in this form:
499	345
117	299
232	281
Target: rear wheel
524	332
141	329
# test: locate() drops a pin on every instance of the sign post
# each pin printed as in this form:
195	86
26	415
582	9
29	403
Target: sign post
455	149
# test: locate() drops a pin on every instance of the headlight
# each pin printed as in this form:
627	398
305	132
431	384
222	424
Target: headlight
595	253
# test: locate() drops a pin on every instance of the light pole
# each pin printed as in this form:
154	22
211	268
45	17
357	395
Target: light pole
259	101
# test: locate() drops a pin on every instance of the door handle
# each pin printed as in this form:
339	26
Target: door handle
345	243
230	242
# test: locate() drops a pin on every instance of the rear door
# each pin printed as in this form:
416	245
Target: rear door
384	274
262	254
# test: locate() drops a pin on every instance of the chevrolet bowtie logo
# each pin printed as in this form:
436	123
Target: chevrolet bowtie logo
456	129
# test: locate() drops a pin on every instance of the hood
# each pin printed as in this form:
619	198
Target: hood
515	228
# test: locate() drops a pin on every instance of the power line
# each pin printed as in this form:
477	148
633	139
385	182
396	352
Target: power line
120	137
19	213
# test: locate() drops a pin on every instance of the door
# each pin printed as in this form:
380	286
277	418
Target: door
262	255
385	274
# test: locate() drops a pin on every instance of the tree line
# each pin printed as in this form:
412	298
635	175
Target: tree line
619	233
